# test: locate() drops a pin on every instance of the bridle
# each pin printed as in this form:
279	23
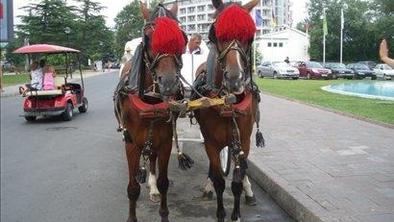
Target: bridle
152	62
234	45
245	56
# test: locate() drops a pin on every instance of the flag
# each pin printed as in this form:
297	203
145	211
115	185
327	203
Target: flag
273	18
342	20
258	18
325	28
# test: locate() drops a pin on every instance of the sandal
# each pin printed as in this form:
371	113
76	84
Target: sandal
21	90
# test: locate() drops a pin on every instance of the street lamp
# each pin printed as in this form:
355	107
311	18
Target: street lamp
67	30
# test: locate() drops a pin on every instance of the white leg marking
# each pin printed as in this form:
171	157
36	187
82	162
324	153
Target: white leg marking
209	186
152	185
247	186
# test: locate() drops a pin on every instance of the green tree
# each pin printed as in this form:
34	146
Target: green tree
366	22
45	22
95	39
129	23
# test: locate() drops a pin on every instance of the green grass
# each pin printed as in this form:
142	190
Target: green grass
19	79
309	91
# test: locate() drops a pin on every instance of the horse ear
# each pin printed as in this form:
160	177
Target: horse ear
174	8
250	5
144	11
217	3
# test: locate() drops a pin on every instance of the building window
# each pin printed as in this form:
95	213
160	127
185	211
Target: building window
191	18
182	19
191	9
275	44
183	11
269	44
192	27
201	8
210	7
280	44
200	17
210	17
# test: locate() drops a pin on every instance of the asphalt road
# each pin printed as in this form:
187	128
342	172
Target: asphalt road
77	171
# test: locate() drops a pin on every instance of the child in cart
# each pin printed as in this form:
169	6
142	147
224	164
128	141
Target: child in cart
49	78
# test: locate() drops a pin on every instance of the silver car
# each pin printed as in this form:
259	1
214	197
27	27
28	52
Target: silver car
277	70
383	71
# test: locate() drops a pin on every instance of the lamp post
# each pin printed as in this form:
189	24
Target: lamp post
67	30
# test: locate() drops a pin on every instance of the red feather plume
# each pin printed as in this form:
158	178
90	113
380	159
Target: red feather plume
235	23
167	37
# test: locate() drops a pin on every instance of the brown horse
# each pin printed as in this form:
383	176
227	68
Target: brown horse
141	103
232	35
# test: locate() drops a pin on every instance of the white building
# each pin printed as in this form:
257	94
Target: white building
195	16
284	42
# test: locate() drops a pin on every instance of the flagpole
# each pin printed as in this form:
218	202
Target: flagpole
324	38
272	29
342	24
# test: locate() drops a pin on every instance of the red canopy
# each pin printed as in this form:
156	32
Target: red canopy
43	48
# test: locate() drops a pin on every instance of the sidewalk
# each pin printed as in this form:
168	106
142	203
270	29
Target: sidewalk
322	166
14	90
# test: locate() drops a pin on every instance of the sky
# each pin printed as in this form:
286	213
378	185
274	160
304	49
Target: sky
113	7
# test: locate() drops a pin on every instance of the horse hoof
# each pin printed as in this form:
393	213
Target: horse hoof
220	219
238	220
207	195
131	220
155	198
250	201
164	219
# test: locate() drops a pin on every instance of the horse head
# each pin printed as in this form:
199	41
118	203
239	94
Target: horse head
233	34
165	43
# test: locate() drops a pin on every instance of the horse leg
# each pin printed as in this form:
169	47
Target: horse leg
162	181
217	179
133	189
154	194
250	199
236	188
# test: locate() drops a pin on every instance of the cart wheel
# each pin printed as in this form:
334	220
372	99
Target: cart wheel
84	107
30	118
68	113
225	161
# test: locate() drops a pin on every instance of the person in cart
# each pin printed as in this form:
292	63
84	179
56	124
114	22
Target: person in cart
36	76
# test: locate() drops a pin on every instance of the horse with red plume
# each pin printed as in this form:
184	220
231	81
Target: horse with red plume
229	71
141	102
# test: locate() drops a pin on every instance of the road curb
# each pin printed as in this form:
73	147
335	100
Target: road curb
299	206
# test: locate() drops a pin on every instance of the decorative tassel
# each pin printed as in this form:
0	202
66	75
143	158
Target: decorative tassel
185	161
141	175
243	164
260	141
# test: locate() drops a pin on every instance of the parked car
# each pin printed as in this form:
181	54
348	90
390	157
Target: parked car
339	70
370	64
313	70
383	71
361	71
277	70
